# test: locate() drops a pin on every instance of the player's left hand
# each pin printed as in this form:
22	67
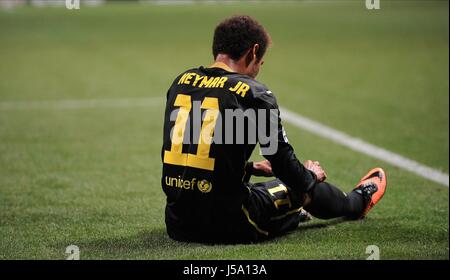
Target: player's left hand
315	167
262	168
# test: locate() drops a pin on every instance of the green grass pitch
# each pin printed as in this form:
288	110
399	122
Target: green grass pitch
91	176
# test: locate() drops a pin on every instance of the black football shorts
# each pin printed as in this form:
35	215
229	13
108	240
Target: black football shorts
271	209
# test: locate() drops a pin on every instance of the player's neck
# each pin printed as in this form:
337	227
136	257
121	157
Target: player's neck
236	66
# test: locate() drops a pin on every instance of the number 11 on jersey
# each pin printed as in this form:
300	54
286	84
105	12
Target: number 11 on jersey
201	159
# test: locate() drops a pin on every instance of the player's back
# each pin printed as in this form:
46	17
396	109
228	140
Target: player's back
203	165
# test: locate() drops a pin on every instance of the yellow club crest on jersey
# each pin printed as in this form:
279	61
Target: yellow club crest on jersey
204	186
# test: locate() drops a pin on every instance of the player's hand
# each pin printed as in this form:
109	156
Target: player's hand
262	168
315	167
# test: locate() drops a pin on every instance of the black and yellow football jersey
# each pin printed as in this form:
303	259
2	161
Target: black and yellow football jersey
205	180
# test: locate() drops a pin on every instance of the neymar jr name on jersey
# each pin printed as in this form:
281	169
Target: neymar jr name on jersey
199	81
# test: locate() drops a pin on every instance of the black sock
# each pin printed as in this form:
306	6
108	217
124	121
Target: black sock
329	202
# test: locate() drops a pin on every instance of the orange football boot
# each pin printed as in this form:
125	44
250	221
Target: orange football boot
372	187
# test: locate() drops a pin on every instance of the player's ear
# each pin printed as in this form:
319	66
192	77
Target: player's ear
248	57
255	50
251	54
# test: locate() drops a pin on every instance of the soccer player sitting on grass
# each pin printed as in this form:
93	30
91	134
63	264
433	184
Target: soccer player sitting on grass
206	178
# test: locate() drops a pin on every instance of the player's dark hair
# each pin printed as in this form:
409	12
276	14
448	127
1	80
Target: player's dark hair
236	35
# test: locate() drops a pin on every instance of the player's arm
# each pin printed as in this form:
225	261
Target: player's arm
284	162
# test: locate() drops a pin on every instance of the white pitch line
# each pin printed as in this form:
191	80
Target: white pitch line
81	104
297	120
363	147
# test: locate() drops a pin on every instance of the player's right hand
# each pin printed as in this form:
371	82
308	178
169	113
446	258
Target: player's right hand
315	167
262	168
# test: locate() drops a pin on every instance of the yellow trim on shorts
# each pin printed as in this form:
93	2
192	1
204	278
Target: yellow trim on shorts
287	214
252	222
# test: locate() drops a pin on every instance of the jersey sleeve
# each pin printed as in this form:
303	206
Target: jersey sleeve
285	164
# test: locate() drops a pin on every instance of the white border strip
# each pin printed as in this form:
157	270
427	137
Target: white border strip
363	147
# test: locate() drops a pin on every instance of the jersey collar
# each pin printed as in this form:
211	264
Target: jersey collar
222	66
